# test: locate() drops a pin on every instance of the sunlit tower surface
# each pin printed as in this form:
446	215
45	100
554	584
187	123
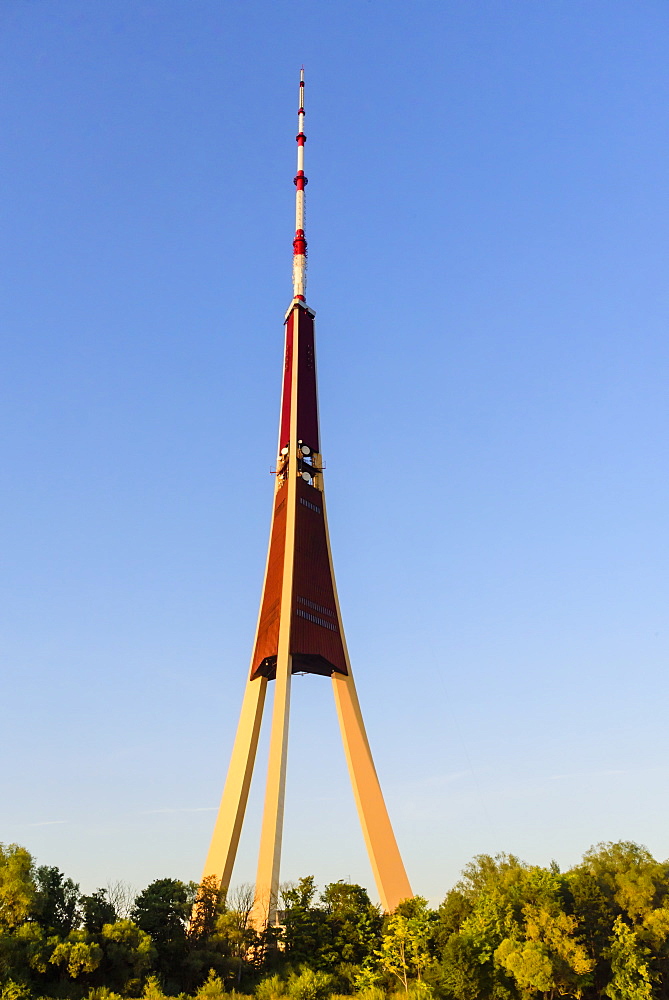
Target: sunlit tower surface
299	625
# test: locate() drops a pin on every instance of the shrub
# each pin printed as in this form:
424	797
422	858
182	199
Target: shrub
212	988
153	989
271	988
310	985
102	993
371	993
14	991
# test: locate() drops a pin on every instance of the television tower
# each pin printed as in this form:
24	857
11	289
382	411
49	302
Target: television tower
299	626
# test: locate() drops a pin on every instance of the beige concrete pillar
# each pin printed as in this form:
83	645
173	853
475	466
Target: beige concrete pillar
389	873
225	840
271	834
269	856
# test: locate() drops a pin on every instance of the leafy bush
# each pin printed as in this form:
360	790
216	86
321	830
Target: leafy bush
371	993
310	985
152	989
271	988
14	991
212	988
102	993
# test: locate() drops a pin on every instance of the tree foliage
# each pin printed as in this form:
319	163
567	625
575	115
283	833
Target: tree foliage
56	901
506	931
17	886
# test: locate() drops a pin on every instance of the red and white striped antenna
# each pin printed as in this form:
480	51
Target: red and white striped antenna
300	243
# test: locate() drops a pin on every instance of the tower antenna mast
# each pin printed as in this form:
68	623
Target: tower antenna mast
300	242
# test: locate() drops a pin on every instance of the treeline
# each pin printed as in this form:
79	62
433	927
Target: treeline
506	931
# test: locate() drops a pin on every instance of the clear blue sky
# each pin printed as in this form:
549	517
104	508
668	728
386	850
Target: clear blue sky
488	228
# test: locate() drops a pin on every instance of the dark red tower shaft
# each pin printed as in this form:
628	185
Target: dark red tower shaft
315	640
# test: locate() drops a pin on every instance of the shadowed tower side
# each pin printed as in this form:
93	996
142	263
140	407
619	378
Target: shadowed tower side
299	625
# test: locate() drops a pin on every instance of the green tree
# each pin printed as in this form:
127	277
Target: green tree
504	929
162	910
493	888
628	877
595	916
461	975
206	908
550	957
630	973
234	931
97	910
78	952
528	963
353	926
405	952
305	927
56	905
623	880
451	915
128	954
17	886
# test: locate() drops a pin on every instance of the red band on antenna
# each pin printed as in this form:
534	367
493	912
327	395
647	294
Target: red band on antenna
299	244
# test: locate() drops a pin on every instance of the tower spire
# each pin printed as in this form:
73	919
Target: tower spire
300	628
300	181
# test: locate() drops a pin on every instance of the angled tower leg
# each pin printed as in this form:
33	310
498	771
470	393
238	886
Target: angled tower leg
271	834
389	874
225	839
269	857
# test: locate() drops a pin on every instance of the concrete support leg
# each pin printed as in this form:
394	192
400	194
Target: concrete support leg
225	840
267	878
389	874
